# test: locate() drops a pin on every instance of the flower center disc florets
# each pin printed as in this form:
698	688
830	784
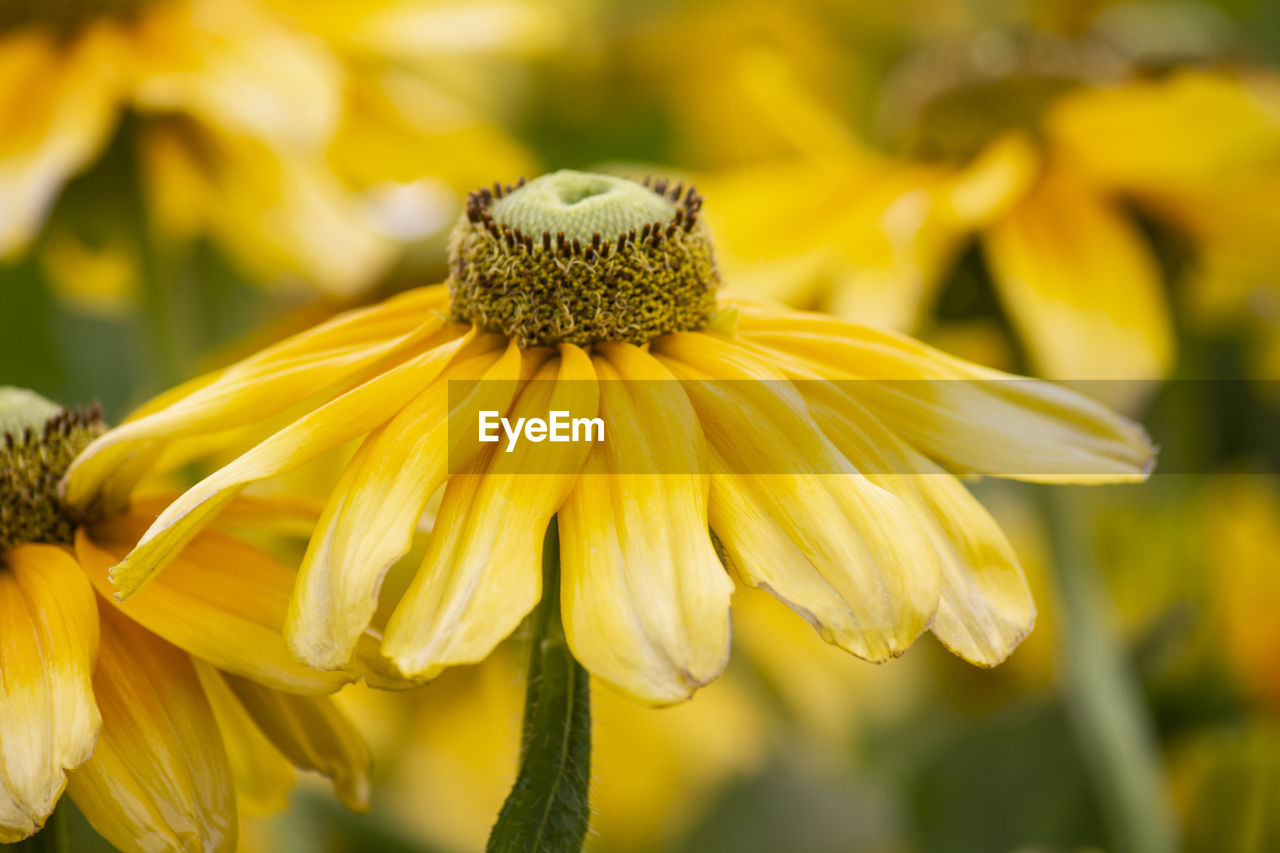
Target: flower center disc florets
40	441
579	258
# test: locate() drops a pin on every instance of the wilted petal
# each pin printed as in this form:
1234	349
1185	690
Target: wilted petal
369	521
645	599
158	778
968	417
354	413
222	600
482	573
313	363
794	516
313	734
48	718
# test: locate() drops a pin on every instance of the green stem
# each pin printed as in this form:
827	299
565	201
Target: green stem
547	811
161	320
1106	707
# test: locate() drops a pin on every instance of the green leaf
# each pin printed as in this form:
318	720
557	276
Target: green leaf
546	811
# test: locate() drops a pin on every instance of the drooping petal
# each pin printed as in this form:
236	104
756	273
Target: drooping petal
645	598
1081	287
482	572
263	777
967	417
221	600
369	521
290	372
313	734
158	778
354	413
795	517
48	718
984	604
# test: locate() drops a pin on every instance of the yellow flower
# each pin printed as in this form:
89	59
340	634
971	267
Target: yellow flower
814	449
1043	167
429	83
237	112
162	717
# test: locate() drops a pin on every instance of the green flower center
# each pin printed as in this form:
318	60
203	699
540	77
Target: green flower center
40	441
62	15
949	103
579	258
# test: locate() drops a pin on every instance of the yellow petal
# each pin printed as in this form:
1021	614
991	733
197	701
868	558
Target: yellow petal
482	572
281	215
368	523
795	517
1184	131
48	718
645	599
967	417
58	103
400	125
222	600
984	605
356	412
263	778
313	734
294	515
312	363
994	182
231	67
158	779
1082	288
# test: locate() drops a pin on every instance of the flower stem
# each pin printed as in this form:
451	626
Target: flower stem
546	811
165	358
1105	706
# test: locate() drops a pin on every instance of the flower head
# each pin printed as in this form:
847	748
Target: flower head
1050	155
790	451
156	716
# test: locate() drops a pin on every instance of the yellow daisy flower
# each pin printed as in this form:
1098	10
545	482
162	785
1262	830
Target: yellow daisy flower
743	438
1041	152
237	109
162	717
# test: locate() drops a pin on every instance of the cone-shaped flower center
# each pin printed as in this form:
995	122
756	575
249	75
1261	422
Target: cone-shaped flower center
62	14
579	258
40	440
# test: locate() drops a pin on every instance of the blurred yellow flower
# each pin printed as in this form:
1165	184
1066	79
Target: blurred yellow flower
307	139
1044	169
246	103
758	441
157	715
428	82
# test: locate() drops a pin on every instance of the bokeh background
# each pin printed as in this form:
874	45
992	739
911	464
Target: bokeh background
1077	190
